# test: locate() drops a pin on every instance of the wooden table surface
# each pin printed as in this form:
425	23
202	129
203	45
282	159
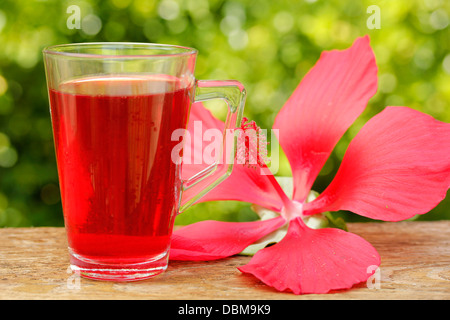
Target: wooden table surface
415	265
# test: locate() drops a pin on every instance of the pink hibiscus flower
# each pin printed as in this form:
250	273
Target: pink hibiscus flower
397	166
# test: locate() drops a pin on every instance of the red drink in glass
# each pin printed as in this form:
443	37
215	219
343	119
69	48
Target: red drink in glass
120	188
115	107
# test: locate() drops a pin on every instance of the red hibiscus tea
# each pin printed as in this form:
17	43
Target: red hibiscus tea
114	109
120	188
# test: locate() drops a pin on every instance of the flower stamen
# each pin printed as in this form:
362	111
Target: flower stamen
252	152
252	145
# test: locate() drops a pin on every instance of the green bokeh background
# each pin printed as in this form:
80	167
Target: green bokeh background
267	45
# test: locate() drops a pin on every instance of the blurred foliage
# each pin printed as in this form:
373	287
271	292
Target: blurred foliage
267	45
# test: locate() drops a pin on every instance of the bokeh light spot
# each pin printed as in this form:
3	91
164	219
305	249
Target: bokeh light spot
91	25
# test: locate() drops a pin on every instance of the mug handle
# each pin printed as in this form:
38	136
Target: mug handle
234	94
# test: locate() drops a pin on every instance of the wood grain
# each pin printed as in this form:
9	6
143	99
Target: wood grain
415	265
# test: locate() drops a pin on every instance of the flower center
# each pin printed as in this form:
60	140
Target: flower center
293	211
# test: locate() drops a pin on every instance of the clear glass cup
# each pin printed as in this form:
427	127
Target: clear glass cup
114	107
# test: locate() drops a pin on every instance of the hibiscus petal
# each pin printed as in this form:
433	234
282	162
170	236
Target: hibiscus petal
397	166
211	240
245	183
326	102
314	261
200	120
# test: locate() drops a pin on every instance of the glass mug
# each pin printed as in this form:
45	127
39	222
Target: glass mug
114	107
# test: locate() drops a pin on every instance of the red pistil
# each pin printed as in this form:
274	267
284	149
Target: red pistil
252	145
252	152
